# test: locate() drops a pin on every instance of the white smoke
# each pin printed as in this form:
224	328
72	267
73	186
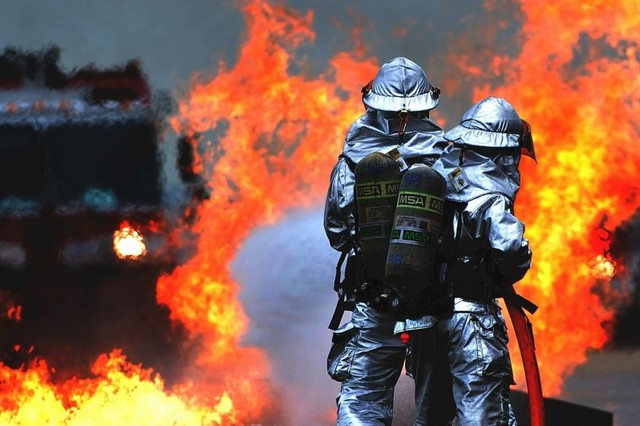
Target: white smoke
285	273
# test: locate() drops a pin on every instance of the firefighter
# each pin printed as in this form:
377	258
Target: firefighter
483	252
366	357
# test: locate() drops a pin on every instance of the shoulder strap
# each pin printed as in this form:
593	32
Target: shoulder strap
338	277
345	286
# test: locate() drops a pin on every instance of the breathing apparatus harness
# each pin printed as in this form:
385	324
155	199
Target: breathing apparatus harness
354	286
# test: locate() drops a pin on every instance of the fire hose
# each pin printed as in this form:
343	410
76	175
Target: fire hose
524	335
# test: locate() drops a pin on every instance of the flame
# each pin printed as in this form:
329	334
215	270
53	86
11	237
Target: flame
602	267
9	308
128	243
577	82
280	135
124	393
15	312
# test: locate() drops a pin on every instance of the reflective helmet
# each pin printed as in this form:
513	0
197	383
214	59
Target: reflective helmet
493	123
401	85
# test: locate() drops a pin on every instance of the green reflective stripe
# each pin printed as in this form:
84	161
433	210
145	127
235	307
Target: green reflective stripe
421	201
378	189
411	236
368	232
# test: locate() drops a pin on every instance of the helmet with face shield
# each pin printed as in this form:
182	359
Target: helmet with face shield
493	125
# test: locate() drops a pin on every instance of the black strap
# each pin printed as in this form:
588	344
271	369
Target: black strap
508	292
337	279
342	304
338	312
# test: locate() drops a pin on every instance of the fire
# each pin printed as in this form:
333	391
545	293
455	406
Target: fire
602	268
9	308
281	135
15	312
128	243
585	129
582	123
123	394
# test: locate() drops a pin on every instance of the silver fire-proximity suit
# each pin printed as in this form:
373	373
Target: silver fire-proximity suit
366	356
482	249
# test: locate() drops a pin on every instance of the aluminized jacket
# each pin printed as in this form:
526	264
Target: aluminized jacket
491	186
366	356
470	345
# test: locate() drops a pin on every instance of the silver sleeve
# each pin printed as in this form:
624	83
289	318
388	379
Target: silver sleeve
339	210
509	248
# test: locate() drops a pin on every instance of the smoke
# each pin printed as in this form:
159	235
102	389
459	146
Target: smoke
623	287
286	276
172	39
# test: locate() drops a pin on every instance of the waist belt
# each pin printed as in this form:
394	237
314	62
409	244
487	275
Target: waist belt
465	277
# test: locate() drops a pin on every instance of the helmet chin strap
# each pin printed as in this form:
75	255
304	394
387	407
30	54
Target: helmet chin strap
366	89
403	115
461	156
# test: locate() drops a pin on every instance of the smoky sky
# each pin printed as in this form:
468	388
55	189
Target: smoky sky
176	40
171	39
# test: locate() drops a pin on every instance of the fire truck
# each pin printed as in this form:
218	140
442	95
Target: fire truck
85	226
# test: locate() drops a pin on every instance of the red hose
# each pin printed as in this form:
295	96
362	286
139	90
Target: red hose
524	335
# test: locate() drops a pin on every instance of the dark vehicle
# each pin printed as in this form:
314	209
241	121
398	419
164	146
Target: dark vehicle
84	228
78	158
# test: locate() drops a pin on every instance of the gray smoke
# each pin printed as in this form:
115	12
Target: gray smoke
624	249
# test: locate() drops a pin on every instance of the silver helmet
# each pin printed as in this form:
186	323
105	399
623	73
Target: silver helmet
401	85
493	123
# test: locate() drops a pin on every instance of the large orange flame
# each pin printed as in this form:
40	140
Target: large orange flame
280	135
123	393
577	82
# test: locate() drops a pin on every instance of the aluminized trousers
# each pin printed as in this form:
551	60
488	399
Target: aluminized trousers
368	358
461	368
